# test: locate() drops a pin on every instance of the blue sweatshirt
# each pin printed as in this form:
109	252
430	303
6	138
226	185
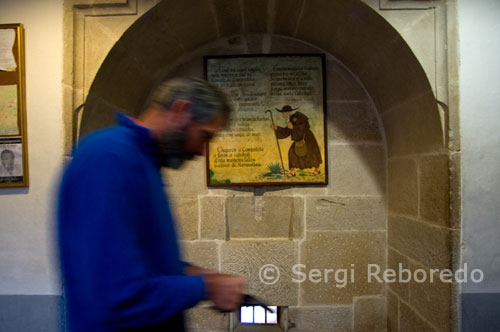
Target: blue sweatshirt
118	246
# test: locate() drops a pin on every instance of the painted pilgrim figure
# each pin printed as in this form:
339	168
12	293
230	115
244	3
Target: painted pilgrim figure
304	151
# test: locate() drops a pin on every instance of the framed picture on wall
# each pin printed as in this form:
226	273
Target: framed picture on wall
11	160
13	142
277	134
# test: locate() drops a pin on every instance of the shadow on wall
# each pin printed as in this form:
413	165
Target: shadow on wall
356	146
382	109
351	31
159	42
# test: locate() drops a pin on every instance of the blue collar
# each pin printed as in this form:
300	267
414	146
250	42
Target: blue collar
142	134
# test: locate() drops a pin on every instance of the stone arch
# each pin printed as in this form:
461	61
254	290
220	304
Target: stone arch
350	30
419	226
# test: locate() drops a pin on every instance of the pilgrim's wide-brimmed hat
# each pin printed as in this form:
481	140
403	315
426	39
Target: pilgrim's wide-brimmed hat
287	108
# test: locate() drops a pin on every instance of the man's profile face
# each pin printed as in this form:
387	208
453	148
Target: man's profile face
187	141
198	134
8	160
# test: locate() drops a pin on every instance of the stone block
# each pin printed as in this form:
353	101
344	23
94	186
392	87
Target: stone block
342	85
69	103
321	319
417	27
392	312
188	181
247	258
432	299
145	5
316	190
229	20
411	322
283	216
192	63
421	241
337	250
240	212
265	217
356	169
453	106
127	96
255	16
400	288
151	42
370	314
313	23
281	44
202	253
176	14
232	191
368	55
413	127
95	3
206	319
69	38
456	249
213	218
345	213
455	190
101	33
434	189
352	121
286	16
403	186
186	215
254	43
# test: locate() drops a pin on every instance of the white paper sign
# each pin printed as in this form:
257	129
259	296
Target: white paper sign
7	39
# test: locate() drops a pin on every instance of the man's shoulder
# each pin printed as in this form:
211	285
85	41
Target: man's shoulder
114	140
110	149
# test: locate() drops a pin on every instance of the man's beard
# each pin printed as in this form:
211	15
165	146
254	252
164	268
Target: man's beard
172	149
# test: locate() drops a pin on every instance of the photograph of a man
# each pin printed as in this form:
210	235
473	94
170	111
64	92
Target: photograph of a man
118	243
10	161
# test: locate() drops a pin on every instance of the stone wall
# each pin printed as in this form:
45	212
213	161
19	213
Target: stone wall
402	137
238	230
421	236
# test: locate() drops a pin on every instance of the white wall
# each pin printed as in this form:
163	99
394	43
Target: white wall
26	217
479	31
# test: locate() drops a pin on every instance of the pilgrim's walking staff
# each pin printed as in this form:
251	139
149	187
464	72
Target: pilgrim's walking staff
277	142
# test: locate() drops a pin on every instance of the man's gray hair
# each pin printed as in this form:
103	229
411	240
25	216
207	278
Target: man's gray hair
207	99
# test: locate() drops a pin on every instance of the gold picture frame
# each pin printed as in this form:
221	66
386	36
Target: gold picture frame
277	134
13	132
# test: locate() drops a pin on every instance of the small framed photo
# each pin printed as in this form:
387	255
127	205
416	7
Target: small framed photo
277	135
11	161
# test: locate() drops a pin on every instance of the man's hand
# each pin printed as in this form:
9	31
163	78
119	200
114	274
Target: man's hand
226	291
273	126
193	270
289	125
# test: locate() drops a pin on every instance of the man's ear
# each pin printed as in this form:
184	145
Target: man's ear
181	112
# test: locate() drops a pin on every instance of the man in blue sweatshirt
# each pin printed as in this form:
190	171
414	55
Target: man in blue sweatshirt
118	245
